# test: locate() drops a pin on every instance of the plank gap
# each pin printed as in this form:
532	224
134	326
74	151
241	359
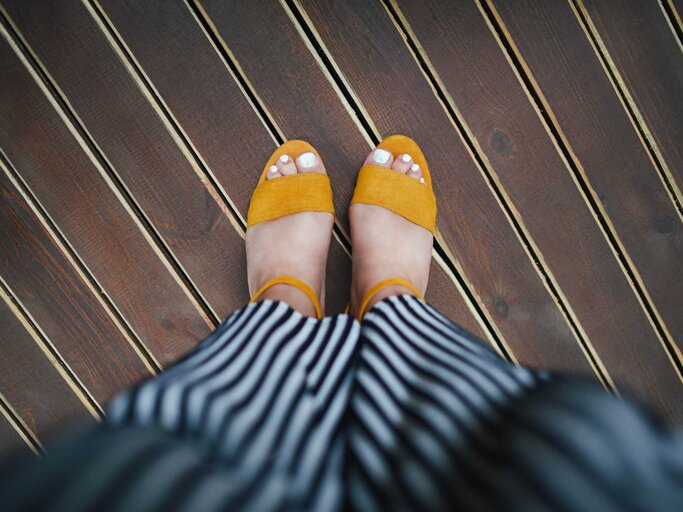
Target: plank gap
628	103
535	95
22	430
673	18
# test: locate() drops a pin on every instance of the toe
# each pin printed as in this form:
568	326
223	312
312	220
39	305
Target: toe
286	165
402	163
415	172
309	162
381	157
273	172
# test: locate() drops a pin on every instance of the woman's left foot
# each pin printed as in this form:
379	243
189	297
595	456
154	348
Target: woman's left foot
295	245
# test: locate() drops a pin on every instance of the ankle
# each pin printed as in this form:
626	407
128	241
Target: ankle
293	297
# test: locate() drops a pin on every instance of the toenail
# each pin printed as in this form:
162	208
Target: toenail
273	169
308	159
284	158
414	167
381	156
406	158
422	180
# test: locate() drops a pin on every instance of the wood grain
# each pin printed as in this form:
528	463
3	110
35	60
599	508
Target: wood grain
605	144
142	151
60	302
464	54
379	67
647	55
31	383
67	184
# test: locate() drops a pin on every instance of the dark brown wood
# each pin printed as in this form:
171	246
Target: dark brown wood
76	324
31	383
190	69
139	147
67	184
379	67
587	110
465	54
11	443
646	52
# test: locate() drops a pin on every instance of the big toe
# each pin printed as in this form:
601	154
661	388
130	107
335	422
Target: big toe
381	157
309	162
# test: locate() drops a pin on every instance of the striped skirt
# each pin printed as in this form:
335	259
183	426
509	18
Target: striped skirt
406	411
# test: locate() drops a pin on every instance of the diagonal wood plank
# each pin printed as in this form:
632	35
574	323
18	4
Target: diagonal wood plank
91	217
59	300
594	125
191	68
375	62
32	381
644	51
511	135
142	149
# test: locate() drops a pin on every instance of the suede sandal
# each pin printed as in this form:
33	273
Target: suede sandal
410	198
287	195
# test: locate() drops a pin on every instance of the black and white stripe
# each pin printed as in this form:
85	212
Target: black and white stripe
275	411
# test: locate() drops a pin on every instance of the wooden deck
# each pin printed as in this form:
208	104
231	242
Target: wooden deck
132	133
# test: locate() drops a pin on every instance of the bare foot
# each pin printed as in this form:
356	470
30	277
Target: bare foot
295	245
385	244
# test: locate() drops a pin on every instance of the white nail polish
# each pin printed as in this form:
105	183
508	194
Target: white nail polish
308	160
406	158
273	169
422	180
381	156
414	167
284	159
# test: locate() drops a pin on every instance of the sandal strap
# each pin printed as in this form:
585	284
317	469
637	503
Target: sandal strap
296	283
377	287
401	194
287	195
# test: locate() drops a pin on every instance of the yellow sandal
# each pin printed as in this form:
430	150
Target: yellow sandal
405	196
287	195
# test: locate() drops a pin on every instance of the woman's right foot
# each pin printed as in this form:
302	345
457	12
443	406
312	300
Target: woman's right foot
386	245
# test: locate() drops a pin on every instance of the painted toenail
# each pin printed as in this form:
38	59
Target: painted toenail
422	180
308	160
284	158
273	169
381	156
414	167
406	158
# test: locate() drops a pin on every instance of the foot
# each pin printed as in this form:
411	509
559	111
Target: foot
295	245
385	244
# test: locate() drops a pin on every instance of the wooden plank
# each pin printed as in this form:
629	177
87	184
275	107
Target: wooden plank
647	55
59	300
161	176
191	69
92	219
378	66
464	53
594	125
30	381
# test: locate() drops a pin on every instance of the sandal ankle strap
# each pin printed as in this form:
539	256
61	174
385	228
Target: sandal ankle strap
296	283
377	287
